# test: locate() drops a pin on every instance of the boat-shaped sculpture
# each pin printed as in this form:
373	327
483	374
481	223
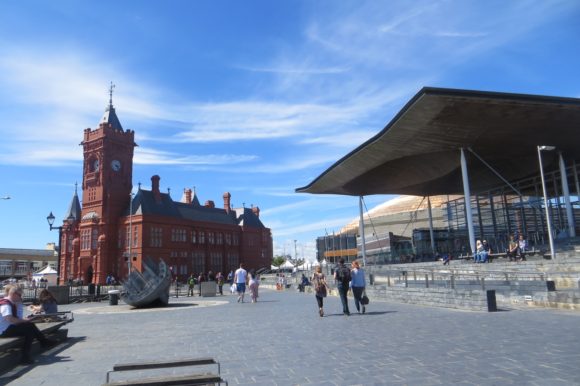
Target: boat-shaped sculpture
149	288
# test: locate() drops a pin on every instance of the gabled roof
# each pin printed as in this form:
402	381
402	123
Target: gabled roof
247	218
144	203
418	152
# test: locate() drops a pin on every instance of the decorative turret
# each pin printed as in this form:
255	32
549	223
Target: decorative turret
74	209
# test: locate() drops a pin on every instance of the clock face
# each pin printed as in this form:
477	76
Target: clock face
116	165
96	165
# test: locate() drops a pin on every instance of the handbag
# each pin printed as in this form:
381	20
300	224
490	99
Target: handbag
364	300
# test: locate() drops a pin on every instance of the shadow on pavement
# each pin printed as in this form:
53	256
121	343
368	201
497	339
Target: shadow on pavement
48	357
354	314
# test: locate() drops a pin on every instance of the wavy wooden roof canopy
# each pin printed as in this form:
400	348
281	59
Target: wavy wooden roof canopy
418	152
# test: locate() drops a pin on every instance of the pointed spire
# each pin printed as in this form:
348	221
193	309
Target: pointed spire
74	209
195	200
110	117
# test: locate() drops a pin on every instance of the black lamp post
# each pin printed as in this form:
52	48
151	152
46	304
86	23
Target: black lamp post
50	219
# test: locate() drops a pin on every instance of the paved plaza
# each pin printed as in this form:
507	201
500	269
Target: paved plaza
281	340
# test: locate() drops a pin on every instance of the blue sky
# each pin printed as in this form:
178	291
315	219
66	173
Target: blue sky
252	97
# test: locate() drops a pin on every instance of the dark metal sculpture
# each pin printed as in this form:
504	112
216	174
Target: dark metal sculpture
149	288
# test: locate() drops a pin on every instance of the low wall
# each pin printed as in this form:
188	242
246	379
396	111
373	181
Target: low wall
435	297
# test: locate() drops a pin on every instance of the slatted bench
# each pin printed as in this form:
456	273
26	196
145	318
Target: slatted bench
186	379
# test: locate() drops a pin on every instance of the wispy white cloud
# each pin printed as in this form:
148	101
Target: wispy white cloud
149	156
294	70
318	226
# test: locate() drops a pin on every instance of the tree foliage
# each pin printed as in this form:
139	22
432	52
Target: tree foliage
278	261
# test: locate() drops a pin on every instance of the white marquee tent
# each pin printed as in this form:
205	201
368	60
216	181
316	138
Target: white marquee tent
47	273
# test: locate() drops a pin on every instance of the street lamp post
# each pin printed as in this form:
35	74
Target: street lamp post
548	221
50	219
130	234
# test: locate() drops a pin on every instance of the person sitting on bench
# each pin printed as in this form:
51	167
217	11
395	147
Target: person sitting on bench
47	304
12	323
512	249
446	259
522	248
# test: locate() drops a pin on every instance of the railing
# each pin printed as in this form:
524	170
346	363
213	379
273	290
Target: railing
76	292
453	278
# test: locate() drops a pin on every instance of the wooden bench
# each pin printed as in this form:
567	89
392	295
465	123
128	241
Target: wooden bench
186	379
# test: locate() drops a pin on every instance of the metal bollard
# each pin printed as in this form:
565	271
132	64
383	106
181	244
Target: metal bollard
491	303
426	281
551	285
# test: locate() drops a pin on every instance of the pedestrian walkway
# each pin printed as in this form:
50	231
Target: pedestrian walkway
281	340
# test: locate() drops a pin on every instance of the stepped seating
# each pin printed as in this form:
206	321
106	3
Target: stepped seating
10	348
534	282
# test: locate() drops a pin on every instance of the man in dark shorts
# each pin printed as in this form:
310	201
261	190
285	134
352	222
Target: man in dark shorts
240	279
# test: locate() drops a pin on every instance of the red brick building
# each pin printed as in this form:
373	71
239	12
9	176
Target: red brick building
115	227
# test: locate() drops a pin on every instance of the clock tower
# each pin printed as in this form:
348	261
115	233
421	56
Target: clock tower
107	184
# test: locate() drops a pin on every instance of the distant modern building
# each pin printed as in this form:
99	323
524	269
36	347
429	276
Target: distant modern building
22	263
115	228
333	247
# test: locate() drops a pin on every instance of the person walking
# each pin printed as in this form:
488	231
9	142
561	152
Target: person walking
220	281
342	278
240	279
191	284
254	285
320	289
357	283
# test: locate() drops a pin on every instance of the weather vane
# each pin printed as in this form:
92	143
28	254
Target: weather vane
111	87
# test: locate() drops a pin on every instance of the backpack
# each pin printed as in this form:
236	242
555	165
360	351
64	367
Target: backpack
344	274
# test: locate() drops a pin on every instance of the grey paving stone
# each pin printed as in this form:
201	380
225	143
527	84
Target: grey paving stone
281	340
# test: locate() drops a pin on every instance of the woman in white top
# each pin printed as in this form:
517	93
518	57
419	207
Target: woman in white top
254	285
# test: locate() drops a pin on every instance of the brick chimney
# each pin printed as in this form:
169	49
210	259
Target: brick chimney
256	211
227	206
155	188
187	195
210	204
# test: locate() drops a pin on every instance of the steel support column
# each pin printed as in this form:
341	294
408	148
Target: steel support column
467	199
362	230
431	226
566	192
